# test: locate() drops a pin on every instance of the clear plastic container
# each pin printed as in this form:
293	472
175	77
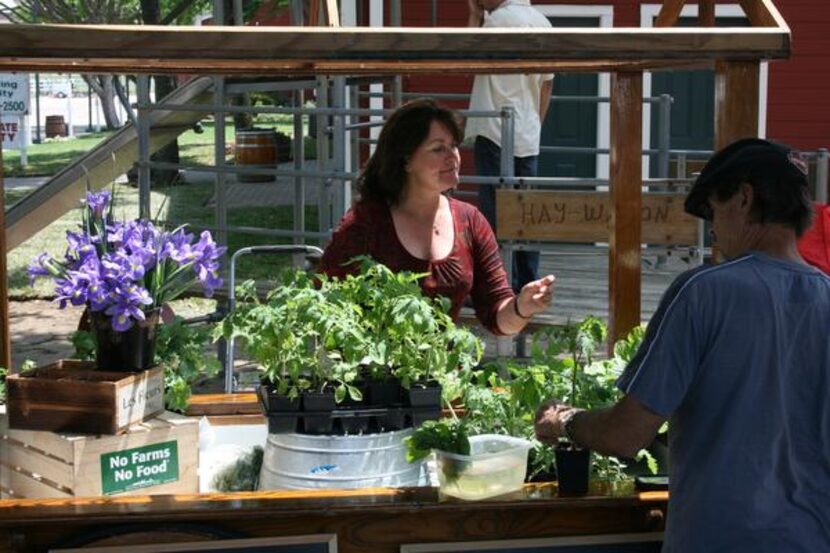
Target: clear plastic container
496	465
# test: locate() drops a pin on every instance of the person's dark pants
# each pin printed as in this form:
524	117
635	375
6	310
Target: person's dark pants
488	164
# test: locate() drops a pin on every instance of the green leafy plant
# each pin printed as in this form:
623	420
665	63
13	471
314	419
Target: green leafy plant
505	394
312	333
242	475
449	435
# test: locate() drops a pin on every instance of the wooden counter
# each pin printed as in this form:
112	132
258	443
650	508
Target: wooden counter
365	521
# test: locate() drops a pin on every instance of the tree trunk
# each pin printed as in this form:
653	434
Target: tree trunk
103	87
111	118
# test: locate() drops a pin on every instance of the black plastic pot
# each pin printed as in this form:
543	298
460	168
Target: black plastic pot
274	402
425	395
384	393
573	469
283	423
283	413
131	350
420	416
393	419
317	408
354	424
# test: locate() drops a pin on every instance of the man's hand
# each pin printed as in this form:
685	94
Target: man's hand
476	14
549	424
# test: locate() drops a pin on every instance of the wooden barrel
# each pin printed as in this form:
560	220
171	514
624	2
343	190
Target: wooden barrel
256	148
55	126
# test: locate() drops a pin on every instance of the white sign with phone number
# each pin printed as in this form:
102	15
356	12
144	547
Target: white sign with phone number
14	93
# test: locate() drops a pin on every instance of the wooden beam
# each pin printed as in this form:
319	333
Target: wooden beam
762	13
5	334
669	13
624	272
706	13
356	46
294	68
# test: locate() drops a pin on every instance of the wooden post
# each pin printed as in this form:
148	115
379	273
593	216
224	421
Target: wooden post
736	101
706	13
5	341
626	198
736	106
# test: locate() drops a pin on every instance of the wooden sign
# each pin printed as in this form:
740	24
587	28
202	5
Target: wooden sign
585	217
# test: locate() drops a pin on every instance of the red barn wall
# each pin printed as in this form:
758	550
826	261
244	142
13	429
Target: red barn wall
797	88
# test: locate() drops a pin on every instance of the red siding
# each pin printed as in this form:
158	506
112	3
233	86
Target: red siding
797	110
798	88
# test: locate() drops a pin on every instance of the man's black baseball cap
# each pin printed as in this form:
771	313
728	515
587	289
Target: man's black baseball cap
749	160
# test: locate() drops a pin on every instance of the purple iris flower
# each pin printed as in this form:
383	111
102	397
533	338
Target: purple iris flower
108	263
209	277
37	268
79	247
208	248
98	202
72	289
123	315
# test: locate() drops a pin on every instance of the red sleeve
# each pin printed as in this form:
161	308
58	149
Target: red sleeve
490	285
350	239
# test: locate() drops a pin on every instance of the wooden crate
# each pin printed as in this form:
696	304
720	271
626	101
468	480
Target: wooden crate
157	456
71	396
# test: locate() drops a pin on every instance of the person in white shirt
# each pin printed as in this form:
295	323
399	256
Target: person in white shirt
529	96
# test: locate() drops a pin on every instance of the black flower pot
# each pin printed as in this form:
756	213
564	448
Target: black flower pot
317	408
425	395
573	469
274	402
283	423
283	412
393	419
131	350
357	424
420	416
384	393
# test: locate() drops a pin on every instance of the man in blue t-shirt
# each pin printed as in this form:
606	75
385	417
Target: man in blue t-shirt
737	358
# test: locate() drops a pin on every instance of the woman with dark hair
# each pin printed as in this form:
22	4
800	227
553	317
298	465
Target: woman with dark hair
405	220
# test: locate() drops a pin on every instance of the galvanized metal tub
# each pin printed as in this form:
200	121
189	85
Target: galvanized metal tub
301	461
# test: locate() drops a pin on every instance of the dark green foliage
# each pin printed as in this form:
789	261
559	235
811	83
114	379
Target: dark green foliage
448	435
243	475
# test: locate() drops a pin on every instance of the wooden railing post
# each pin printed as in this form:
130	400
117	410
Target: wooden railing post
624	272
5	340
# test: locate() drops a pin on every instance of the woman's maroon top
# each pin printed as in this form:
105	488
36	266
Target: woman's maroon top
472	267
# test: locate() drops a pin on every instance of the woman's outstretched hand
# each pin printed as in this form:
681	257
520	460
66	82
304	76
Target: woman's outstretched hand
536	296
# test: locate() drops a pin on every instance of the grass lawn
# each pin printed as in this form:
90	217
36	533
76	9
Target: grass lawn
195	148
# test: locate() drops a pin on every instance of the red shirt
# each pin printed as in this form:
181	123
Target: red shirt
473	266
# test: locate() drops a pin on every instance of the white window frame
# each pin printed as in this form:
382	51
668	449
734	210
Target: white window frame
647	14
605	13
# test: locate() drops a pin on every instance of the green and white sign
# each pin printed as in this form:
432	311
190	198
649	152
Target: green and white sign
141	467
